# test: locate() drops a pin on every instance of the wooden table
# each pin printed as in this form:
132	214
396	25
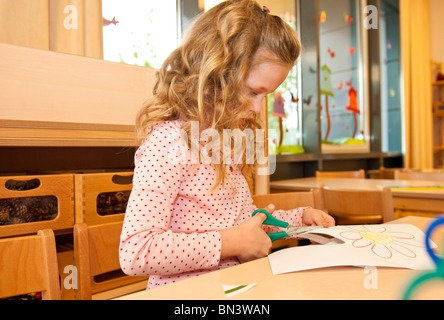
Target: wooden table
328	283
431	201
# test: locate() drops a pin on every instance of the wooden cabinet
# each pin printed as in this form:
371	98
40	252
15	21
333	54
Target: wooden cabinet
51	99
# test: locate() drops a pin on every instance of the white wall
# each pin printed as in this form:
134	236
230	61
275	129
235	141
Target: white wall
437	25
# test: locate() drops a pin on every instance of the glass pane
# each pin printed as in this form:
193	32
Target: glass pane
343	112
284	104
390	77
139	32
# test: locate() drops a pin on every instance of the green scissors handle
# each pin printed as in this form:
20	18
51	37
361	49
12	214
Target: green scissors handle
272	221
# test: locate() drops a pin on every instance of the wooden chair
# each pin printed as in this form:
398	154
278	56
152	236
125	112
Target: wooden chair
285	201
419	175
96	254
28	264
356	206
358	174
383	173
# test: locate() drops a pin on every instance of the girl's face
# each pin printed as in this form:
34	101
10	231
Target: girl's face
264	79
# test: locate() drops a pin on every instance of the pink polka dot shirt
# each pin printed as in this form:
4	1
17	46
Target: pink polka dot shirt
172	222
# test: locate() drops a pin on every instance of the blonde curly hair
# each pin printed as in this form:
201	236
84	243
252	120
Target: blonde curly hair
204	79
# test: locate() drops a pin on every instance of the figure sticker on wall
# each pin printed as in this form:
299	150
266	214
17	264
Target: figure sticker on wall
278	111
347	18
351	50
294	99
107	22
327	90
323	16
353	106
307	101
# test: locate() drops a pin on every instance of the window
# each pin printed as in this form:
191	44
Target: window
284	105
139	32
343	89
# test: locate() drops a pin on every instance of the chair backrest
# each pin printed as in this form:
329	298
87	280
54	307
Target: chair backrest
285	201
28	264
358	174
418	175
388	173
356	206
96	253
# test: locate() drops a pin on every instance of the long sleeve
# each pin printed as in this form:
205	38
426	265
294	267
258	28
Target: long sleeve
174	215
149	243
293	217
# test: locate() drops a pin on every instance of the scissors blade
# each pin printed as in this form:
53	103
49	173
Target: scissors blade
298	230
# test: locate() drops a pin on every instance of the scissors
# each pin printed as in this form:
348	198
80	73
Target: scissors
439	262
290	230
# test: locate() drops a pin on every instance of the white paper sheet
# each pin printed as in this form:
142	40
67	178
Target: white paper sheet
388	245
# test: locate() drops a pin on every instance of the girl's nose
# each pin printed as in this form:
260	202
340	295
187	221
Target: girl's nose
256	107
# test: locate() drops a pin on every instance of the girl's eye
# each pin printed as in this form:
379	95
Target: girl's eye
253	93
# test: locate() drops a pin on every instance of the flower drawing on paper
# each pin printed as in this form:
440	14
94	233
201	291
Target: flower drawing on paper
381	242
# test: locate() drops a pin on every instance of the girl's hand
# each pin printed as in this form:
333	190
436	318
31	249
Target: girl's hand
248	241
315	217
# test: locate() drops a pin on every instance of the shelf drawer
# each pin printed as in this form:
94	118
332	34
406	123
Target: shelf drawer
102	197
32	203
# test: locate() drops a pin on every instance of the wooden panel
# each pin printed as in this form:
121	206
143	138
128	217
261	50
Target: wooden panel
52	160
19	280
59	186
419	204
96	251
285	201
102	239
88	188
25	23
42	85
417	175
346	206
358	174
93	24
59	134
30	266
53	99
66	27
261	182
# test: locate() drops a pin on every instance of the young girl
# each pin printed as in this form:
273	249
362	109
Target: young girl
183	218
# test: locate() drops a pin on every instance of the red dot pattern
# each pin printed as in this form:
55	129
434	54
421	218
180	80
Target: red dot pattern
172	222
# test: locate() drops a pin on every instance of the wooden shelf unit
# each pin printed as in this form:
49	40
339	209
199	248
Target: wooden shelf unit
51	99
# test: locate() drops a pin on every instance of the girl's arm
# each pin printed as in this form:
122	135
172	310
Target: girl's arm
248	241
294	217
147	245
303	216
